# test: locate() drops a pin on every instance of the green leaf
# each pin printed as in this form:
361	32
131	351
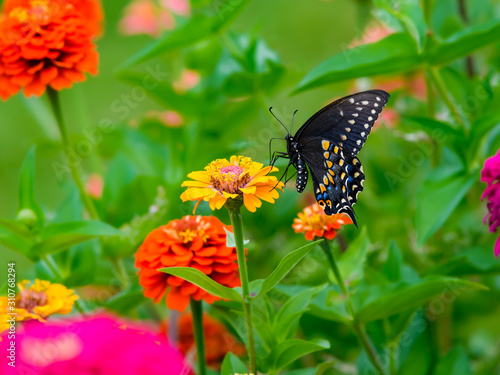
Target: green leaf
394	263
126	300
26	192
397	53
286	321
454	362
162	92
15	236
381	301
198	278
463	42
285	265
83	264
58	237
436	200
288	351
352	262
199	27
233	365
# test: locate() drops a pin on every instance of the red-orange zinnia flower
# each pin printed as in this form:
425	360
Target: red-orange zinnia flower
47	42
218	340
193	241
315	223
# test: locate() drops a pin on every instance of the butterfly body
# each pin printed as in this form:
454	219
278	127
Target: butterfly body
327	145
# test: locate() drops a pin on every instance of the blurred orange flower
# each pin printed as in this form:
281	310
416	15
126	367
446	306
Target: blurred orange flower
218	341
193	241
238	178
315	223
47	42
37	301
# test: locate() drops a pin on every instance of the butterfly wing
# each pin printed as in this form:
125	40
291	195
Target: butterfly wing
347	121
337	178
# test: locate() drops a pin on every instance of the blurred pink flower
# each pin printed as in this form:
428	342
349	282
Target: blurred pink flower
491	175
180	7
188	79
97	345
372	34
389	117
171	119
150	17
95	186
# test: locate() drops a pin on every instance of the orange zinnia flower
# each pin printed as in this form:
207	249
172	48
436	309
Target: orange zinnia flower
238	178
218	340
37	301
193	241
315	223
47	42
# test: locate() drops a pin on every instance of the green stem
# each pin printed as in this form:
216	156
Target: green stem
358	327
199	337
56	108
121	272
52	265
443	93
237	223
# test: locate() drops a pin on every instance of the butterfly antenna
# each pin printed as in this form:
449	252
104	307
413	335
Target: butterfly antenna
271	110
293	116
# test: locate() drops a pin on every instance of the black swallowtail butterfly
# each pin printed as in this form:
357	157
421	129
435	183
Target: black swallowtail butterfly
328	143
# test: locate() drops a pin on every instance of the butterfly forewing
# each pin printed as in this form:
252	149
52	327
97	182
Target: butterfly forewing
347	122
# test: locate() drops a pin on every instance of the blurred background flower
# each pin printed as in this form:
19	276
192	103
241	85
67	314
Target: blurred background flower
152	17
491	175
99	344
218	340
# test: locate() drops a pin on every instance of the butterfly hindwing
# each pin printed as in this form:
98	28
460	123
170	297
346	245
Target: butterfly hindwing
347	122
337	180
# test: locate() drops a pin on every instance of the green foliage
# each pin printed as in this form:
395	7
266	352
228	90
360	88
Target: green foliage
420	276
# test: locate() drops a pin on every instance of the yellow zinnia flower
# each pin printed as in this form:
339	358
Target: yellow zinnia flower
37	301
238	178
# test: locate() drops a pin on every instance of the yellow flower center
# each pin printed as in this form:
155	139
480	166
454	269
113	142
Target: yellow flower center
187	230
29	299
38	13
227	177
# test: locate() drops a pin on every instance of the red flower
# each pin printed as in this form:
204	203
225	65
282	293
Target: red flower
47	42
315	223
193	241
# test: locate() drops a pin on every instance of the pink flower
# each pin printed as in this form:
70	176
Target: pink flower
97	345
491	175
95	186
187	80
171	119
152	17
145	17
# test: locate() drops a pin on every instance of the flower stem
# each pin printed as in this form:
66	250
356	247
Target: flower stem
443	92
237	223
358	327
56	108
199	337
52	265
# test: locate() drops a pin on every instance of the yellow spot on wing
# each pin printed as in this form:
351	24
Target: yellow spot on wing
336	150
325	181
325	144
326	155
329	163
